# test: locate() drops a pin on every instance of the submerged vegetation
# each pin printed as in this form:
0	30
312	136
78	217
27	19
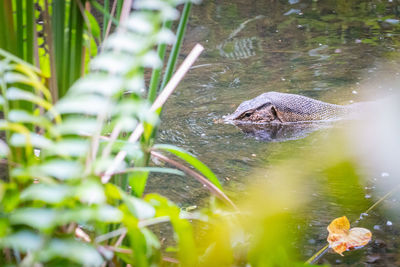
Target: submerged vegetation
81	98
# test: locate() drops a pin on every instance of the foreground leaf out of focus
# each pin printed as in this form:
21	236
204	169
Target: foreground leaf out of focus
342	238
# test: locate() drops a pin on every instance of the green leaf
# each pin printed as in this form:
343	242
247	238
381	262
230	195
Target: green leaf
183	229
137	181
48	193
192	160
90	105
60	169
139	208
14	93
39	218
23	241
166	36
108	213
157	169
36	140
91	192
15	77
129	43
69	147
26	117
82	253
77	126
151	60
140	23
93	25
113	63
97	83
10	198
166	10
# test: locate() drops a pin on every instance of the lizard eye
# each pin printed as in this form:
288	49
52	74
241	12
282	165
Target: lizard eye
247	114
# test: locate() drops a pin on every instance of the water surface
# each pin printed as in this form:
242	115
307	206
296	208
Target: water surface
335	51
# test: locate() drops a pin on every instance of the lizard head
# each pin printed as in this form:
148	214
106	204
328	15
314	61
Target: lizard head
256	110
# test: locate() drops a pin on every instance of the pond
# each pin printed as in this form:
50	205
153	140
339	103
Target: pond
335	51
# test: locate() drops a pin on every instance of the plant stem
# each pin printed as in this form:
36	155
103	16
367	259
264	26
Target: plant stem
175	49
105	13
210	186
30	30
20	28
8	38
105	18
51	42
317	255
111	16
155	76
57	30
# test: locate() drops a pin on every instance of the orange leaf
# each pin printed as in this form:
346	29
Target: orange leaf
342	238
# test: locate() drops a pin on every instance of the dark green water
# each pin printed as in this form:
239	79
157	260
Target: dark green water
336	51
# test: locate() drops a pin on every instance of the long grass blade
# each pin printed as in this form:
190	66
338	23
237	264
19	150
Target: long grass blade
177	46
210	186
192	160
20	28
58	35
78	45
119	8
108	29
30	31
54	52
70	51
156	74
8	38
106	19
106	14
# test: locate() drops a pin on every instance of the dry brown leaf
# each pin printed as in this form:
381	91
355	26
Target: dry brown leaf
342	238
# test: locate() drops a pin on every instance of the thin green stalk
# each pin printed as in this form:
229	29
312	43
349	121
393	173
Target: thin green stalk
106	18
78	44
155	76
8	39
175	49
3	25
20	29
58	33
119	8
104	12
317	255
48	29
74	47
30	30
70	48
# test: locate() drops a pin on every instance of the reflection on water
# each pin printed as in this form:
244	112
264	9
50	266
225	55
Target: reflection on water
334	51
281	132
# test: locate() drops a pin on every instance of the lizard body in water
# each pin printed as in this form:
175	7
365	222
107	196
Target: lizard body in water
278	107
